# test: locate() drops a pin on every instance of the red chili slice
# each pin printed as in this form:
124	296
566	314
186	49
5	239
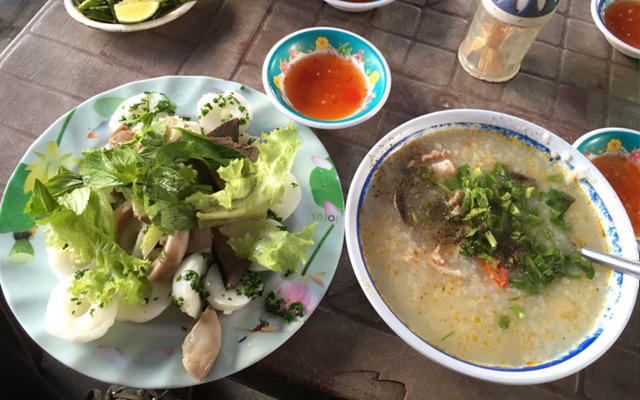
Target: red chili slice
497	274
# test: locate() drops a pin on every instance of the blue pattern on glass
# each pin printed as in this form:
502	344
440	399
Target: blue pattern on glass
530	9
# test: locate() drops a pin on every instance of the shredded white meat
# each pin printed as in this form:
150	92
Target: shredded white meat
438	261
444	169
437	156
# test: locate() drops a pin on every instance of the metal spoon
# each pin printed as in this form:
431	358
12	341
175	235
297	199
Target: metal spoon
624	265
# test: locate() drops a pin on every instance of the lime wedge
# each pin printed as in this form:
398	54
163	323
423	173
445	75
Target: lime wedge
133	12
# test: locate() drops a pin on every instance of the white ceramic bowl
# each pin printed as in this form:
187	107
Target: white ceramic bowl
357	7
620	239
140	26
597	10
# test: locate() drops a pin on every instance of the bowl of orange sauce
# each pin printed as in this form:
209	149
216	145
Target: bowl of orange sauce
326	78
619	21
616	154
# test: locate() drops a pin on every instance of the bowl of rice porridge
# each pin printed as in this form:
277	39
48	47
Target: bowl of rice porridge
464	229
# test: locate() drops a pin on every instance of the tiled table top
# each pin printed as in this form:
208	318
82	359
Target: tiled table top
571	82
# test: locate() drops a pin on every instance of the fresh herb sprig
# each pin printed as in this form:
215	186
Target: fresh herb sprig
156	177
275	306
253	284
197	285
145	113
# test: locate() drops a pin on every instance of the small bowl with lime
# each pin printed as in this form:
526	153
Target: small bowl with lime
126	15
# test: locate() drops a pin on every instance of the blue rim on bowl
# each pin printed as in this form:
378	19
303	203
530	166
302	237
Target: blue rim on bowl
347	44
597	13
350	6
621	293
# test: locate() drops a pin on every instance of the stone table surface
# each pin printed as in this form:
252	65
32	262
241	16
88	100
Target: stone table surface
571	82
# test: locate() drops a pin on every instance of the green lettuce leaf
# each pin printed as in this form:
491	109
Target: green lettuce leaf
64	182
90	235
251	188
266	244
106	168
76	200
151	238
117	271
102	285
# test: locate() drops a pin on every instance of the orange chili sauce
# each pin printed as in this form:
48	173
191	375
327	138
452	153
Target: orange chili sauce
623	20
624	176
325	86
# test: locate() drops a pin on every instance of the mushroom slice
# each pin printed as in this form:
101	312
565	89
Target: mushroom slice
169	260
202	345
128	226
199	240
120	135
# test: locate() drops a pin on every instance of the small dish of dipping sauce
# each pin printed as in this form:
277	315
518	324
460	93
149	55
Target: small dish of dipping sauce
619	22
325	86
326	78
624	176
622	18
616	154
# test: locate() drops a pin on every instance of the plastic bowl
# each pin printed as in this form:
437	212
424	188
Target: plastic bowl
348	44
621	292
597	13
140	26
622	141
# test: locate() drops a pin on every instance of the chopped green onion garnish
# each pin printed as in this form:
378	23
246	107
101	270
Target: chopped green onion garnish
492	240
517	310
528	192
447	335
557	178
445	188
503	322
533	220
476	173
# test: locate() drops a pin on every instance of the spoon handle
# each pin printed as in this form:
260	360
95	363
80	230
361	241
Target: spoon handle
626	266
